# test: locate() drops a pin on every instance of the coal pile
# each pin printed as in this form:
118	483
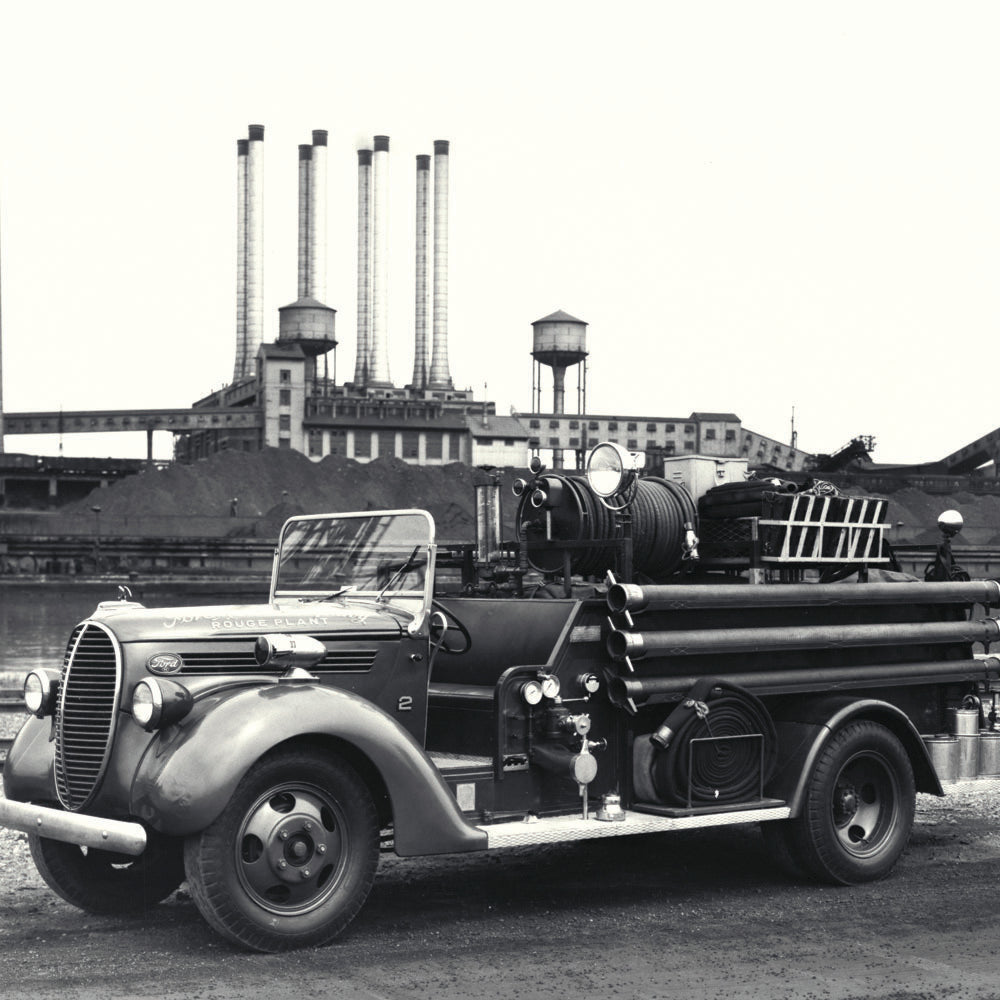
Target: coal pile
252	493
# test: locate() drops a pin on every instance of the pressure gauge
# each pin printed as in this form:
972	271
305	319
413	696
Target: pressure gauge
550	685
531	692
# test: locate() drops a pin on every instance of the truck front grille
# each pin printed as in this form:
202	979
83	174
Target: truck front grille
85	716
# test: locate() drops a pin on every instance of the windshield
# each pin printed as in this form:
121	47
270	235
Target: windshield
380	554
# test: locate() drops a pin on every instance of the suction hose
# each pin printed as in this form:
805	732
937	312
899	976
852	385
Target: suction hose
733	768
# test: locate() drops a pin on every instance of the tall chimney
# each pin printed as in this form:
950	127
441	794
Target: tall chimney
239	366
379	347
255	248
440	376
317	217
361	365
305	158
421	357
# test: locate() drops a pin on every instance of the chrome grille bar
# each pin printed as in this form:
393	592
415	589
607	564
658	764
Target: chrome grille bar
89	692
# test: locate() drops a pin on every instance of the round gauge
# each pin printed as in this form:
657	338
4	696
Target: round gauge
532	692
550	685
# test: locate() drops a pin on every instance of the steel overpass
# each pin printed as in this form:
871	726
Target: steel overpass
177	421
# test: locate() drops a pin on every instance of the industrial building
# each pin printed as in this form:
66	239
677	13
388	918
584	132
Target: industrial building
428	421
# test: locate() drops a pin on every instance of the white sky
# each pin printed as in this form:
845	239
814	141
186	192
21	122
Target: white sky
755	206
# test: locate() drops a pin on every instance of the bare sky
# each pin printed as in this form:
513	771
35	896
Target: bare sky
755	206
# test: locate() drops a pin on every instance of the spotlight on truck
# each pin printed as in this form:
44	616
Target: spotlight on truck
611	469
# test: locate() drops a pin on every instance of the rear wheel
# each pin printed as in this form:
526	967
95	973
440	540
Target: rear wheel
103	882
291	859
858	809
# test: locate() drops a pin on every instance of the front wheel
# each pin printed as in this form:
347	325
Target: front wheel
858	809
292	857
107	883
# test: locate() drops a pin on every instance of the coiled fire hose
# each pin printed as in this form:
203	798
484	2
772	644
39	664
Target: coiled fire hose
732	766
662	515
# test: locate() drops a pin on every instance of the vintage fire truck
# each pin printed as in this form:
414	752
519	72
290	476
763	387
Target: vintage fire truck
649	653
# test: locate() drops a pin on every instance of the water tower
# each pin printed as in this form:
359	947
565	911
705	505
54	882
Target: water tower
310	324
560	341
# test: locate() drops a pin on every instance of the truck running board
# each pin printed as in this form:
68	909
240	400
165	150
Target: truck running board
523	833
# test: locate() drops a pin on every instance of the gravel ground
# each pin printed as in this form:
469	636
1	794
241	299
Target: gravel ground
686	915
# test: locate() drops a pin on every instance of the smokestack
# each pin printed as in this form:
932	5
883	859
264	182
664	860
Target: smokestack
241	259
379	347
440	376
361	365
305	158
421	358
255	248
316	284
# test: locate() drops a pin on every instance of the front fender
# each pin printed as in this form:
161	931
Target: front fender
28	772
191	771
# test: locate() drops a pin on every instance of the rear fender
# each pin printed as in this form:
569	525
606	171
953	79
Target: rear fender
804	729
190	771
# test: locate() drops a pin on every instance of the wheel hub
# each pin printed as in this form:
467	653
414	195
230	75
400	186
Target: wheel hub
290	849
864	808
845	803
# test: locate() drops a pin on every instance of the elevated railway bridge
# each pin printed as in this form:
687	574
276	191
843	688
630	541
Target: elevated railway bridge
31	479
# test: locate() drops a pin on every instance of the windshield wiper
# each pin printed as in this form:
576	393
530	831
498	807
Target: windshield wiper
405	568
327	597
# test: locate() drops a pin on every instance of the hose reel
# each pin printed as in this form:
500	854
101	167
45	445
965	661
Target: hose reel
718	745
565	509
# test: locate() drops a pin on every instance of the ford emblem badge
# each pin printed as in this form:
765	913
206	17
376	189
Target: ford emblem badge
164	663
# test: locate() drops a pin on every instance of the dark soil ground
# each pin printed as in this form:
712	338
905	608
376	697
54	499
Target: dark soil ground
683	915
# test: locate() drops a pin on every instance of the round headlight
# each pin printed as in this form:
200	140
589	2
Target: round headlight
538	498
518	487
608	466
147	703
35	690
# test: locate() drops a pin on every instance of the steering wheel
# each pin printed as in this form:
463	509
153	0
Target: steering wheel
448	622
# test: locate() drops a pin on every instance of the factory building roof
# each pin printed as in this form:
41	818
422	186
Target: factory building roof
729	417
494	427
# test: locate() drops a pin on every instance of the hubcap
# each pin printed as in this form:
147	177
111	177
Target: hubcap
291	849
865	804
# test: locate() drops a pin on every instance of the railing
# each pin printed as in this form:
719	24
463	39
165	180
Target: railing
124	525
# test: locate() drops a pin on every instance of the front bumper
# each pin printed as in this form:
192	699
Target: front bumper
74	828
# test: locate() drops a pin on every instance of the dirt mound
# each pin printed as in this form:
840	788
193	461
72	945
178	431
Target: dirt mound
252	493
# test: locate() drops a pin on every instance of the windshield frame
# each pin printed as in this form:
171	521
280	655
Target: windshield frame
408	599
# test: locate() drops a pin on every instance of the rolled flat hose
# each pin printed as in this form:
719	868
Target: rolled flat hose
667	768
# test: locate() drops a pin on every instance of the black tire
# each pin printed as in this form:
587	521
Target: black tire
858	809
107	883
291	859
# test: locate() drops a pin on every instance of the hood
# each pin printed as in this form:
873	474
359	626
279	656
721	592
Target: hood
133	623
